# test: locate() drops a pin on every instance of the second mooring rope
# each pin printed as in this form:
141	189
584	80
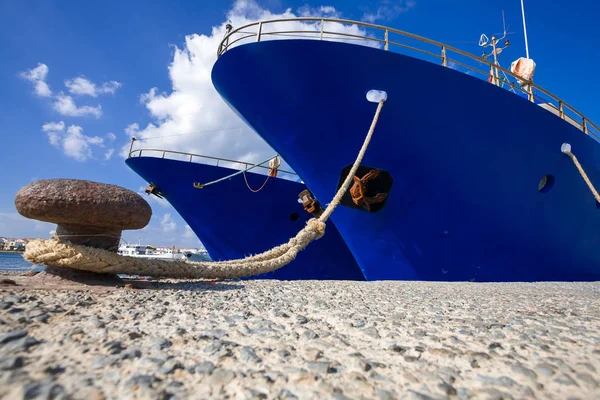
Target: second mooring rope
64	254
566	148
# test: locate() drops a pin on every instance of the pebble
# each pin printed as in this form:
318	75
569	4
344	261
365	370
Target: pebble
447	389
294	340
54	369
385	394
398	349
211	334
320	367
221	377
13	362
372	332
139	380
170	366
587	378
524	371
131	353
203	368
565	380
495	345
13	335
19	345
114	347
247	354
43	390
545	369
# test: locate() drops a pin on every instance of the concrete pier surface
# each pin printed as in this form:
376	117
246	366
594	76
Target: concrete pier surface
304	339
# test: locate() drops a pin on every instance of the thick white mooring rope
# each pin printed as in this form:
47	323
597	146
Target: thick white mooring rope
566	149
52	252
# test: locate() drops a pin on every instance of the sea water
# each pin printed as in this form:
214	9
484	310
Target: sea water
16	262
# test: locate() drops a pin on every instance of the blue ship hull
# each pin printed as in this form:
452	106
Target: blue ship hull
465	156
232	222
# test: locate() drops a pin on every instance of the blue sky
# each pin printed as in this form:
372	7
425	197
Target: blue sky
78	78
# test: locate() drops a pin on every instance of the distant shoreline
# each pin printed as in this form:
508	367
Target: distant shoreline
12	251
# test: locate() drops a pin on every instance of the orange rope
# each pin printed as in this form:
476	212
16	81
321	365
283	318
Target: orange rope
257	190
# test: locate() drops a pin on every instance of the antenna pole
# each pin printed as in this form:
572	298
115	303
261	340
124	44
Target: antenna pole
524	29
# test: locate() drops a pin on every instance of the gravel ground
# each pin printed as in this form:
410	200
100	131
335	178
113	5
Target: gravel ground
285	340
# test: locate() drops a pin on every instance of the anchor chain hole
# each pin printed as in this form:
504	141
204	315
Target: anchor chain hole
546	183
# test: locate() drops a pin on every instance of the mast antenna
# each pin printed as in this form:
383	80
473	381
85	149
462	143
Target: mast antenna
496	50
504	25
524	29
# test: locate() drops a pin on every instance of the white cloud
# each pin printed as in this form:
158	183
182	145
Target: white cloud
188	232
72	142
167	224
81	86
322	11
37	76
75	144
108	154
109	87
84	87
52	129
387	10
193	117
111	136
96	140
66	106
53	126
132	129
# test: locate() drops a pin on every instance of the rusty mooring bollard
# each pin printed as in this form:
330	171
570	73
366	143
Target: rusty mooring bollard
86	213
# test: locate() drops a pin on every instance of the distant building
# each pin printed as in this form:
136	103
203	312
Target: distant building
9	244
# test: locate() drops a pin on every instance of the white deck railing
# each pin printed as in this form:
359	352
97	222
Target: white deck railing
322	29
201	159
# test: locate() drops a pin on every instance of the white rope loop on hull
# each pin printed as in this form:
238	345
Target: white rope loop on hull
51	252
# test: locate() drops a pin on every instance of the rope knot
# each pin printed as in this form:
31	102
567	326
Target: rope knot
316	227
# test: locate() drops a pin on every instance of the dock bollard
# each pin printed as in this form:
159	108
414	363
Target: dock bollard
87	213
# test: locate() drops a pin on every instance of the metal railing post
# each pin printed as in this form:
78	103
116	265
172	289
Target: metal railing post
444	55
191	156
561	109
164	154
585	128
322	28
259	31
133	139
387	39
